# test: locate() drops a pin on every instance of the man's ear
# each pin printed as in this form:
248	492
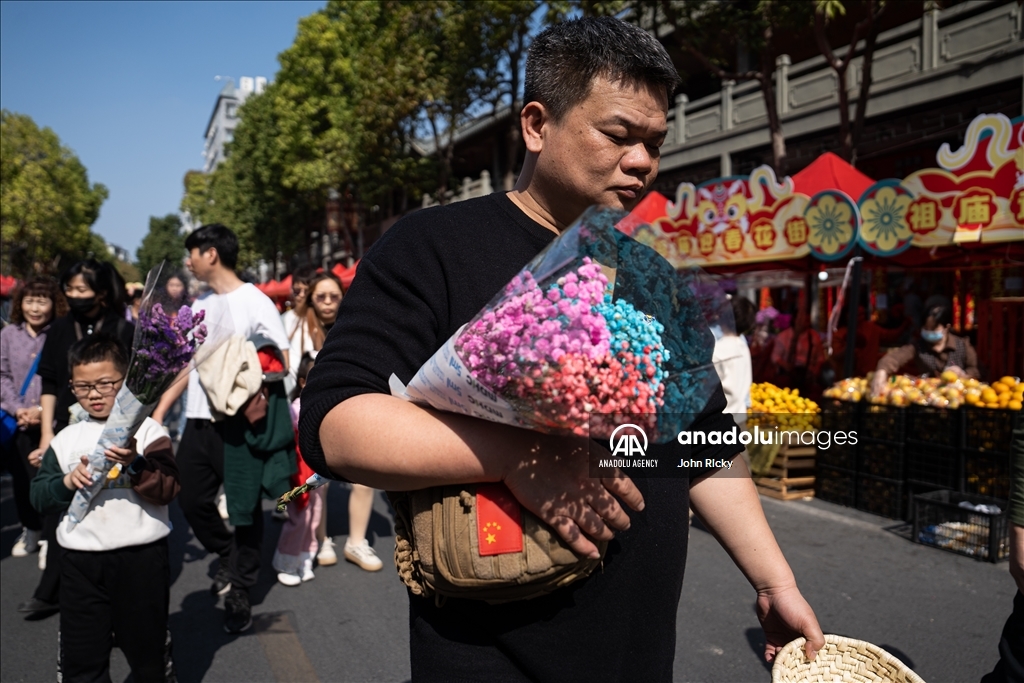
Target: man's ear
533	119
215	259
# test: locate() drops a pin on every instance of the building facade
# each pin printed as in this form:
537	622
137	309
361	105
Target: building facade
221	128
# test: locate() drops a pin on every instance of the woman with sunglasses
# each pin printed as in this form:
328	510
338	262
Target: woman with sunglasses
318	314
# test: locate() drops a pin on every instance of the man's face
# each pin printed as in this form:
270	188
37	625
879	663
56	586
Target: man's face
605	150
200	263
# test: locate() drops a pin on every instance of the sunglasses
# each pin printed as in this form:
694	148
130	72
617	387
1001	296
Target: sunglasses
325	297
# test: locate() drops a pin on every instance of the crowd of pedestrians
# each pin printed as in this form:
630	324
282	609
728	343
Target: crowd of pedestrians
63	358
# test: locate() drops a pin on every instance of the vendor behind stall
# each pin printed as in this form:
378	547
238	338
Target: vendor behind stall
934	350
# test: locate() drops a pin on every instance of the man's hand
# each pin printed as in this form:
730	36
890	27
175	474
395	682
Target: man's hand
1017	555
553	482
79	477
785	616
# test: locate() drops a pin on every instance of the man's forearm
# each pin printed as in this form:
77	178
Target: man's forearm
728	505
387	443
172	394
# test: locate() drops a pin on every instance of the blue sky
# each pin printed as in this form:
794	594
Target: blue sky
129	86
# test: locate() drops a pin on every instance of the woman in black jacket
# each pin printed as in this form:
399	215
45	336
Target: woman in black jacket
95	294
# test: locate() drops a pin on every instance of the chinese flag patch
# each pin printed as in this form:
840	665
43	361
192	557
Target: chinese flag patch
499	524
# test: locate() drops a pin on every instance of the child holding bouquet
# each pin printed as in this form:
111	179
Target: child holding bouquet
115	577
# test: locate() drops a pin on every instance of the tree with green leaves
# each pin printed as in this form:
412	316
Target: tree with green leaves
163	242
868	29
709	30
47	205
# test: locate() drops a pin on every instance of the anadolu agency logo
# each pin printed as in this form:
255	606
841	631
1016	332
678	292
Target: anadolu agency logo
628	445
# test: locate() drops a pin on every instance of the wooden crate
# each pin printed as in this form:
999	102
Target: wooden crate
791	475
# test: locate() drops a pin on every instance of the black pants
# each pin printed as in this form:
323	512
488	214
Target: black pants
1010	668
22	473
48	589
201	471
121	594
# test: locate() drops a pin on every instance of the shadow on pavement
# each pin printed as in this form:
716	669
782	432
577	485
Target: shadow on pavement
755	637
198	632
898	654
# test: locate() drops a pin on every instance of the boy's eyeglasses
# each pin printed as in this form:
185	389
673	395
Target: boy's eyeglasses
105	388
324	297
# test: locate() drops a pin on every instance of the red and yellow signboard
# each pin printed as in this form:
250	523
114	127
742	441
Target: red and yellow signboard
975	195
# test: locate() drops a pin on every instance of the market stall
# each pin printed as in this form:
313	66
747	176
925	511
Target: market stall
955	229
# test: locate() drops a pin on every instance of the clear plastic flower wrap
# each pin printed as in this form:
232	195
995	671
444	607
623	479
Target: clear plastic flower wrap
163	346
596	325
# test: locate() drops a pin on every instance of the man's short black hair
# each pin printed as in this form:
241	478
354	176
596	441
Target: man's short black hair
217	236
565	59
97	348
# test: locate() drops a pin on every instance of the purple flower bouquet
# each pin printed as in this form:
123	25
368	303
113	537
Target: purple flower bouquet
163	346
597	325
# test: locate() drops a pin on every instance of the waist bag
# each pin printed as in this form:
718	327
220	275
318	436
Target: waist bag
477	542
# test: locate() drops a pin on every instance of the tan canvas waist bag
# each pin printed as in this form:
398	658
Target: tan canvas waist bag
477	542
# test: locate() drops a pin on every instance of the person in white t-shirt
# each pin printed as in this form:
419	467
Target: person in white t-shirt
290	318
213	253
732	359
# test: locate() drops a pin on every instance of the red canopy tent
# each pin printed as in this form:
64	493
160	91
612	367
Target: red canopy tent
277	289
830	172
346	275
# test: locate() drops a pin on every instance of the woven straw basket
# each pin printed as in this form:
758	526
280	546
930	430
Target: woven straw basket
842	660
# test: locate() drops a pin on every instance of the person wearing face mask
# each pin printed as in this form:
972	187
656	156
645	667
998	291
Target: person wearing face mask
933	351
95	294
34	306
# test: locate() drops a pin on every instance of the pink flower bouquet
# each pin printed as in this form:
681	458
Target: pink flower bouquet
596	325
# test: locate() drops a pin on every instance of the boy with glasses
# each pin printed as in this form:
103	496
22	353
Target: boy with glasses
115	576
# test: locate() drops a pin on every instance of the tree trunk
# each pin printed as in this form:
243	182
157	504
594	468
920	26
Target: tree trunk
865	81
774	122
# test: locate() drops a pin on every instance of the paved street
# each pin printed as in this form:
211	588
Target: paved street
939	612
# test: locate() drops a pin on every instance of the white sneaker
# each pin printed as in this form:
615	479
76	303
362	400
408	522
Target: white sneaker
27	543
222	506
363	556
326	556
307	572
43	547
289	579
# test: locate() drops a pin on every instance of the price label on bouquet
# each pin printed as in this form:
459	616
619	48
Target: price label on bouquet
444	382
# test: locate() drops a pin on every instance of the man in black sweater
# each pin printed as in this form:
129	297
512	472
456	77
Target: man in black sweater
597	93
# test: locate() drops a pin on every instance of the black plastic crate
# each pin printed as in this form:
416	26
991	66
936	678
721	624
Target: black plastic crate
913	488
835	485
928	424
933	464
881	458
986	473
881	496
940	521
838	415
883	422
843	456
990	429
